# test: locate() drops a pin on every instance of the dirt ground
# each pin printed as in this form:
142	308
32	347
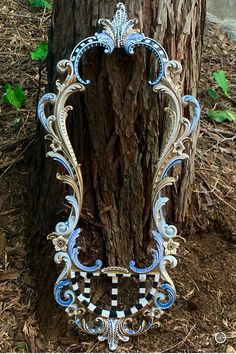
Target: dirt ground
206	275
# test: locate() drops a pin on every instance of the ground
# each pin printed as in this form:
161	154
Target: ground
206	275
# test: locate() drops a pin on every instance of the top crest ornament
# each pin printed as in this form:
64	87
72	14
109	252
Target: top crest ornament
120	27
73	289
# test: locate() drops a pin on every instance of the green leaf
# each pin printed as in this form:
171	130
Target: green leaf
222	82
41	3
15	96
41	52
213	94
22	346
221	116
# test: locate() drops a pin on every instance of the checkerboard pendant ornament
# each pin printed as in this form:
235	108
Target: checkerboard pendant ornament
72	289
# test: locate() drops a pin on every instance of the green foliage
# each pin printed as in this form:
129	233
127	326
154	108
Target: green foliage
41	3
222	82
15	96
41	52
213	94
21	346
223	90
221	116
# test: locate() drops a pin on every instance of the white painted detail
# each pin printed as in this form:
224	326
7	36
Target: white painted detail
120	314
142	290
81	297
105	313
75	286
133	309
96	274
152	291
91	307
87	290
143	302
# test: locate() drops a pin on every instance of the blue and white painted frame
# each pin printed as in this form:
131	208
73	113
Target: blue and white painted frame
116	323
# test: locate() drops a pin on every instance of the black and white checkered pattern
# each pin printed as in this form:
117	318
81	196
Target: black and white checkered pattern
87	287
142	287
114	293
114	312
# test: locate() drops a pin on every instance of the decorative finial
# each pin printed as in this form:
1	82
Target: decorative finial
120	27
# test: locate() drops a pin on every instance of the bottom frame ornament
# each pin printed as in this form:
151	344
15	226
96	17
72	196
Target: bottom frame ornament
156	293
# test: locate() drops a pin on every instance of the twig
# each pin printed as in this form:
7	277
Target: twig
213	192
23	125
8	163
182	341
13	53
232	138
18	15
17	158
207	192
4	213
221	131
11	143
12	113
232	100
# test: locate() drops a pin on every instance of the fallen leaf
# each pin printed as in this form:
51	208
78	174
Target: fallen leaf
230	349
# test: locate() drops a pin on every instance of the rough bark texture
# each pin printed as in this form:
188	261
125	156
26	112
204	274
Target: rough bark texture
116	130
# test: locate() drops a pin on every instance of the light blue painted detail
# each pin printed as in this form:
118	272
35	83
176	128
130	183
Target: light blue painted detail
157	255
197	111
173	162
65	228
98	40
137	40
74	252
47	98
78	322
132	39
68	295
58	258
59	158
161	297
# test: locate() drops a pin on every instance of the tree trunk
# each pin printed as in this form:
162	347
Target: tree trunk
116	131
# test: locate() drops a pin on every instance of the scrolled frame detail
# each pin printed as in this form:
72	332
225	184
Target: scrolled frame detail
116	324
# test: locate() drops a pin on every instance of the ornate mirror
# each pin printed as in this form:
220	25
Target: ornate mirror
74	286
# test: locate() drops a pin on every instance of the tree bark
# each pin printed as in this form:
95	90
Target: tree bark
116	129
